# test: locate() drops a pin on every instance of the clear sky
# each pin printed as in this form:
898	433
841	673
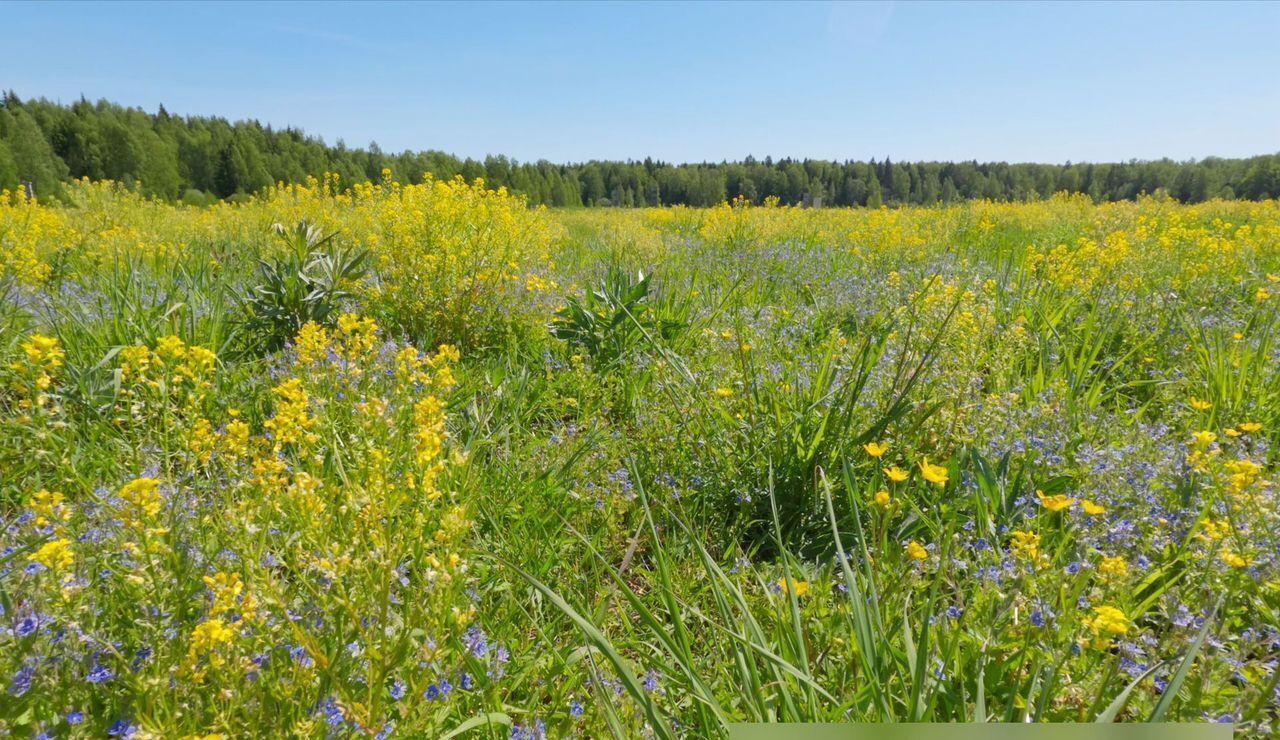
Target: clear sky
1046	82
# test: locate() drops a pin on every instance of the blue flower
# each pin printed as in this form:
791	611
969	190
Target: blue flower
301	655
99	674
476	642
651	681
22	681
432	693
575	709
397	690
75	718
332	713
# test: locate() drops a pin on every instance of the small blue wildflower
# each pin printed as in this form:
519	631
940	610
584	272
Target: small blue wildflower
21	683
651	681
99	674
476	642
332	713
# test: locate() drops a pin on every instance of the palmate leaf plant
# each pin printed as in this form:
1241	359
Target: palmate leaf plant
309	282
613	320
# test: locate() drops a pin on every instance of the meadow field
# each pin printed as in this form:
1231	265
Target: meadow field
422	461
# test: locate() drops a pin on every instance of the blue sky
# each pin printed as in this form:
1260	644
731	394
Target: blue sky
1046	82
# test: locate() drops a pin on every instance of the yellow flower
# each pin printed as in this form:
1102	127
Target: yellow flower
143	494
896	474
916	551
1199	405
1025	545
724	392
1232	558
55	555
1091	508
1108	621
48	507
208	637
1249	427
1055	503
1262	294
1203	439
875	449
801	587
43	351
312	343
292	423
882	499
227	589
236	442
935	474
1113	567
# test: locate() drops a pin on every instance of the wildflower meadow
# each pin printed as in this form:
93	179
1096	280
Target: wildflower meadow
422	460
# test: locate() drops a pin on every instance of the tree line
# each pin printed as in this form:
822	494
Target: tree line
201	158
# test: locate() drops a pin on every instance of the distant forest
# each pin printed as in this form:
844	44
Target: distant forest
198	159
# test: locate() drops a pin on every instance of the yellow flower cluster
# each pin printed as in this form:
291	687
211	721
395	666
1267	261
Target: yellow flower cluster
56	555
292	422
1025	546
49	508
208	639
171	375
1107	622
142	499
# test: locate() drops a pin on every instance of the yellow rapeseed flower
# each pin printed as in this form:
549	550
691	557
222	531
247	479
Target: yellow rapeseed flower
208	637
1232	558
1113	567
1108	621
45	352
55	555
1025	545
143	494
